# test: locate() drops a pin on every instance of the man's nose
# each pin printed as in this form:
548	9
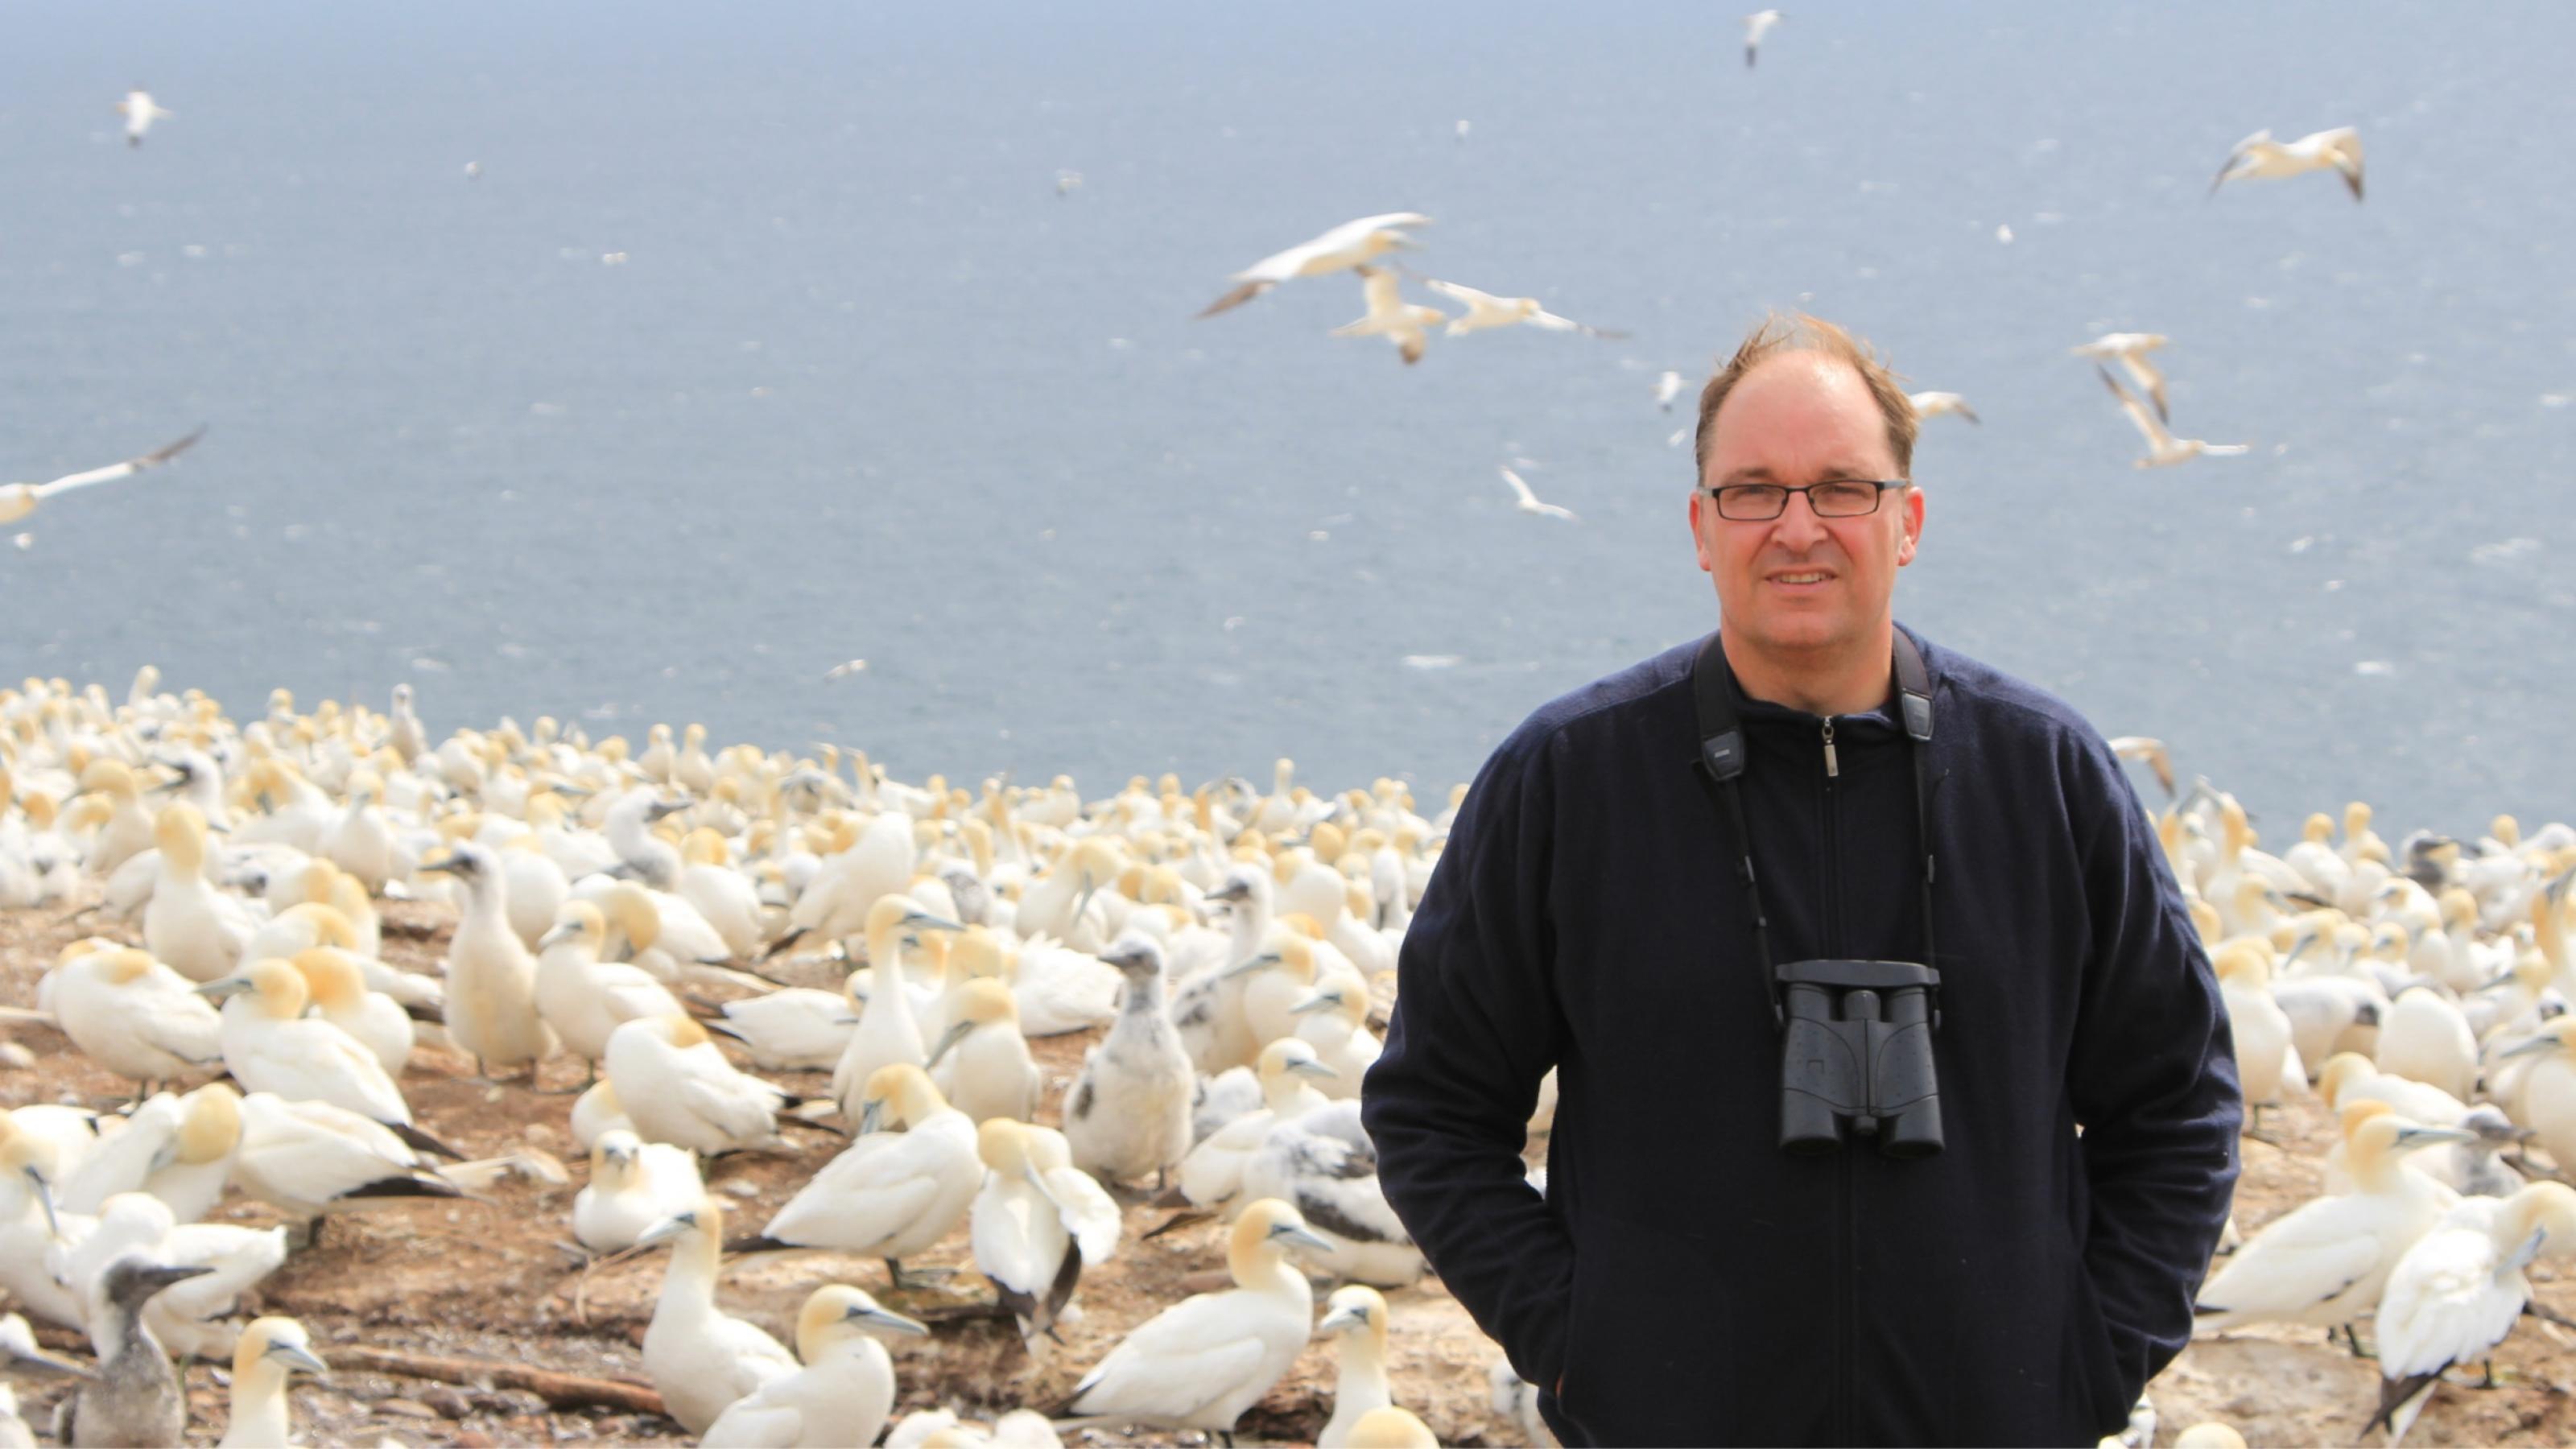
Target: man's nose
1799	528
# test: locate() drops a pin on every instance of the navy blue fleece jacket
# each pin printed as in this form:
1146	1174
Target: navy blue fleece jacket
1689	1281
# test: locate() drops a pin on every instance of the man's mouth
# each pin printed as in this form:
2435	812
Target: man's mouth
1808	576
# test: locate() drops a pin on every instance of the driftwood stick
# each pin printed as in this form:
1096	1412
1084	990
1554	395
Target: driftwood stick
560	1390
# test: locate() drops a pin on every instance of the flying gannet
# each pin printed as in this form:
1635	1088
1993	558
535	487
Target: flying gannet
2262	158
2163	448
17	500
1529	502
1347	245
1484	310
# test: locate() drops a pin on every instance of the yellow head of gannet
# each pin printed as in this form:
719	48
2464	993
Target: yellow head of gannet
332	981
1257	1250
580	920
1359	1311
979	953
268	1353
898	1095
635	915
277	989
836	1313
2374	1146
1391	1428
181	834
212	1128
984	1002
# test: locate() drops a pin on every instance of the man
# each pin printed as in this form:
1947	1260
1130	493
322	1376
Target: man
1684	1279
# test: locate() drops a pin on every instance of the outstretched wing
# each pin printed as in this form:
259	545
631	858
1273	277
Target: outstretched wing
114	471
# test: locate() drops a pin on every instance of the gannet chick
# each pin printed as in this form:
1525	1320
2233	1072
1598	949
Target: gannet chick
1128	1110
491	978
2130	350
676	1087
981	1062
2459	1290
270	1351
192	925
1347	245
17	500
633	1185
1201	1362
2470	1168
895	1191
1212	1174
137	1398
1941	405
841	1395
700	1357
1324	1162
140	112
307	1159
2262	158
1355	1319
1516	1399
1484	310
271	1046
886	1033
136	1017
1757	25
1390	316
1036	1224
2163	448
2325	1261
584	998
1391	1427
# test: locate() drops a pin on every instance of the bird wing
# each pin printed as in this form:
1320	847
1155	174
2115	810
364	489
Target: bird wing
2147	376
2316	1251
1385	301
1089	1212
1282	265
2343	148
1180	1360
859	1199
2444	1303
2157	438
1005	1239
755	1422
114	471
1457	292
1519	487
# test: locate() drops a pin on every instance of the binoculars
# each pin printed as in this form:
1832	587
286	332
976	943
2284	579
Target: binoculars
1856	1049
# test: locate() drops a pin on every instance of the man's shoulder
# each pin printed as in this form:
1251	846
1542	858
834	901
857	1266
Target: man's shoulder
1605	702
2005	706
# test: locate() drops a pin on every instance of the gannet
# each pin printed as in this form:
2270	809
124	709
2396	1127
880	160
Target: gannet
1056	988
491	978
2548	1088
2130	350
140	112
886	1033
30	1225
797	1028
1348	245
700	1357
2325	1261
270	1351
179	1149
676	1087
1516	1399
1390	316
1943	404
136	1398
1528	502
2261	157
851	881
981	1063
633	1185
1036	1224
596	1113
310	1158
721	895
1668	387
359	839
1355	1319
2348	1077
340	996
127	830
2424	1038
1484	310
136	1017
271	1046
1392	1427
192	925
2257	1026
2460	1289
584	998
1128	1110
2163	448
19	1355
1322	1160
899	1188
1757	25
1201	1362
1334	1021
843	1392
17	500
1212	1174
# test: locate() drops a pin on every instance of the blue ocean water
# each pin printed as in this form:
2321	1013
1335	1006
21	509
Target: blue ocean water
866	386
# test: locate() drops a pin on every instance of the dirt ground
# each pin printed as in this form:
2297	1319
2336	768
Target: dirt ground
487	1279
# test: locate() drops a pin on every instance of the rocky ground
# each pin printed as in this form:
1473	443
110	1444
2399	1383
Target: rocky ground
489	1279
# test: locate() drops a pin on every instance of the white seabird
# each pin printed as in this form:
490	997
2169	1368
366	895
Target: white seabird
2260	157
1528	502
1347	245
2163	448
17	500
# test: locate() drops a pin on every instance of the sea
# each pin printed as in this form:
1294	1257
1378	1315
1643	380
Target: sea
775	336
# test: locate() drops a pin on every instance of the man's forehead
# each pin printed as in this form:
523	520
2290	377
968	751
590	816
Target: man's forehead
1804	413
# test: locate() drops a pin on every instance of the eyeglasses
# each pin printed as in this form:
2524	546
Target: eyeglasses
1833	498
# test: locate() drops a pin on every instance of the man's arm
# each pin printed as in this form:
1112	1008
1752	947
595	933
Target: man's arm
1476	1026
2153	1081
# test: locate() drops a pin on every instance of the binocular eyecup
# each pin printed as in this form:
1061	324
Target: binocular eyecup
1856	1052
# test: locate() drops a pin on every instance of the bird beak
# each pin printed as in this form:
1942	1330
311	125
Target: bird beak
1341	1318
2543	1042
1230	892
879	1318
1318	1002
1317	1070
2411	1138
297	1356
870	1115
36	1360
223	986
563	932
660	808
176	1273
445	863
956	1033
1249	964
925	921
665	1230
1300	1235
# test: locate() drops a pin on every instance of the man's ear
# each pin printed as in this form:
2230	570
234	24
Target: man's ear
1912	529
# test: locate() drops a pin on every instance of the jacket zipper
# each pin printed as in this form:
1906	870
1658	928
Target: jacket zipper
1847	1242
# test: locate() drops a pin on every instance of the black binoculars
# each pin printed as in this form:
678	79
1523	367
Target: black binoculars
1856	1047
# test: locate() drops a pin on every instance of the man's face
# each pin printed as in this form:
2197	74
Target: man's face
1797	583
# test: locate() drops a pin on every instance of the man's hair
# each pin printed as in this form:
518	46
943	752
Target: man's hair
1801	332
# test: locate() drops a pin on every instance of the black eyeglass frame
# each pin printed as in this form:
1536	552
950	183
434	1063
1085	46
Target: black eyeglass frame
1716	495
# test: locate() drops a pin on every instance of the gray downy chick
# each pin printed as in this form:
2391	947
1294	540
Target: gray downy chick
137	1399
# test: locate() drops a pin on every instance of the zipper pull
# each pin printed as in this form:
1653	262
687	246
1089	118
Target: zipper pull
1832	767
